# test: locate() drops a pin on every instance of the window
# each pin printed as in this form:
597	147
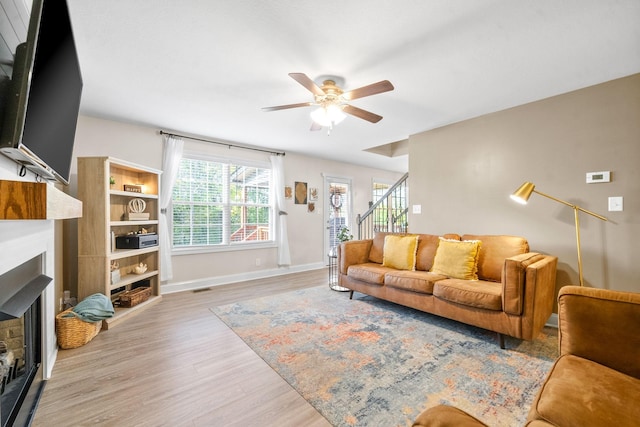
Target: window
220	203
379	189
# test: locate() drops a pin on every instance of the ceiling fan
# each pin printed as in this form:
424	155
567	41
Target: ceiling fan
333	101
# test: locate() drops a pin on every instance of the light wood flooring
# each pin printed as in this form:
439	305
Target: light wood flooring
177	364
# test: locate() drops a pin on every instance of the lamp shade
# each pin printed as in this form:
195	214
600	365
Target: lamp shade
335	114
320	117
328	115
522	194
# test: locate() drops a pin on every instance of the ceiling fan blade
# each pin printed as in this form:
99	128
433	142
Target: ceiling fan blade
315	126
284	107
362	114
372	89
309	84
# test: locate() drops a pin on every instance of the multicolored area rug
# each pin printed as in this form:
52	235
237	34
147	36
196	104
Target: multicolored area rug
368	362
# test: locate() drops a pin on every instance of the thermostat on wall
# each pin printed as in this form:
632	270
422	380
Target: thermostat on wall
596	177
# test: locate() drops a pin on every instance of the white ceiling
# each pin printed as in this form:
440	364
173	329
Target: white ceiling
206	67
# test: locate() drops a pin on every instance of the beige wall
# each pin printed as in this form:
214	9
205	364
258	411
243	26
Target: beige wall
462	175
143	145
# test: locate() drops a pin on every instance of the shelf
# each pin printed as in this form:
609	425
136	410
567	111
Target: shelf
130	166
36	200
133	194
124	253
132	278
129	223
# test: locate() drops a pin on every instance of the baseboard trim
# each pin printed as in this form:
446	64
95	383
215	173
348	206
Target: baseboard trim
208	282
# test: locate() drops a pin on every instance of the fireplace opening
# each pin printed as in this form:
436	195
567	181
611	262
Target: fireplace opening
21	342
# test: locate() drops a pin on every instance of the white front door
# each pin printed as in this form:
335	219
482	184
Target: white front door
337	213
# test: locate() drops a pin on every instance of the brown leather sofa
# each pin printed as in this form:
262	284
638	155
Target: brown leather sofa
596	379
513	296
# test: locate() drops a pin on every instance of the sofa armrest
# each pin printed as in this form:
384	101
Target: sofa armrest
532	267
353	252
601	325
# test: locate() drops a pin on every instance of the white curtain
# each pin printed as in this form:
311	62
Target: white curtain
171	156
284	257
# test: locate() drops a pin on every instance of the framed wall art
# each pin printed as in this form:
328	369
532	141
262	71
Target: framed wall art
301	193
313	194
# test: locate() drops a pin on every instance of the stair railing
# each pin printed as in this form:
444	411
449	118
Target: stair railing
389	213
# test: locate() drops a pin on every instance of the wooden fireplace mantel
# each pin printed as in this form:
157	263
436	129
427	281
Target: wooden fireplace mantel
36	200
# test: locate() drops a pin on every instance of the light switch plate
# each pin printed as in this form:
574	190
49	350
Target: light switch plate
417	209
615	204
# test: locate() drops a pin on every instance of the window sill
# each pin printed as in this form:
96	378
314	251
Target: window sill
193	250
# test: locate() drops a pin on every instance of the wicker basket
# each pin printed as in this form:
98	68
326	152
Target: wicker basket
73	332
134	296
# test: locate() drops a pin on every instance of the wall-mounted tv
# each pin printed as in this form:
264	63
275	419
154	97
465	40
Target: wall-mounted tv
39	126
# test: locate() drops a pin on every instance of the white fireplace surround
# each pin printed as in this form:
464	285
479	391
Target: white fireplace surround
21	241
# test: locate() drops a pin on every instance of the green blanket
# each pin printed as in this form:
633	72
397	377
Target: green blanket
93	308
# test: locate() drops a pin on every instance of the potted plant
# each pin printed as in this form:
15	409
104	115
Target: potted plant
344	235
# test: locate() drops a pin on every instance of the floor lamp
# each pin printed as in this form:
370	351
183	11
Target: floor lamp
522	194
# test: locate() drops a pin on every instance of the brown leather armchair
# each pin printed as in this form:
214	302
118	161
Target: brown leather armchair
596	379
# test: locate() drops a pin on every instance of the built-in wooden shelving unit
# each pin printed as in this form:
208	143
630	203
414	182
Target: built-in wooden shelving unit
105	218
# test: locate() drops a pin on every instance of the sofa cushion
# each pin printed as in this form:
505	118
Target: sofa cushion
580	392
602	325
493	251
400	252
416	281
479	293
369	272
377	248
457	259
424	257
427	246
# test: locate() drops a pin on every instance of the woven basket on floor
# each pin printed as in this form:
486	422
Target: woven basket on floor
73	332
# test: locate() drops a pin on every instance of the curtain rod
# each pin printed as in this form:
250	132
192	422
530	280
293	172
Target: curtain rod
277	153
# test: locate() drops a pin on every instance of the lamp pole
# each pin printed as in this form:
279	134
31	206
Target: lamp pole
577	222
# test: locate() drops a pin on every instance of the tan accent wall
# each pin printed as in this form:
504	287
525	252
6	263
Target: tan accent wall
462	175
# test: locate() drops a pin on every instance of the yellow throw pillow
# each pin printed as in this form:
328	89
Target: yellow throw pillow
400	252
457	259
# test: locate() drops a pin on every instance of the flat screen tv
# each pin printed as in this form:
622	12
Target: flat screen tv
39	126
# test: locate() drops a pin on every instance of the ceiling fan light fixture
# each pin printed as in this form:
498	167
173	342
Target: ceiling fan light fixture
328	116
333	101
